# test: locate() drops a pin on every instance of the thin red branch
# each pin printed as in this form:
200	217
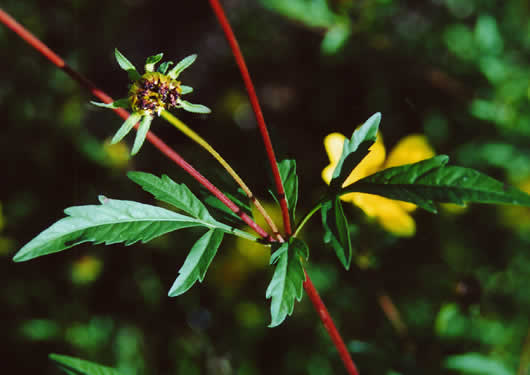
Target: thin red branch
234	46
308	285
330	326
151	137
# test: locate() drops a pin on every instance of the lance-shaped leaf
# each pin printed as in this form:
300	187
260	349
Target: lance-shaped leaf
432	181
126	65
111	222
289	178
126	127
76	366
195	108
152	61
354	150
287	281
143	128
181	65
197	262
120	103
167	190
336	233
185	89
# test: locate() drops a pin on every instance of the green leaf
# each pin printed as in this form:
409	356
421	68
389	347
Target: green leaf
336	232
197	262
432	181
186	89
111	222
120	103
152	61
72	365
182	64
288	278
126	127
238	197
164	67
143	128
289	178
167	190
126	65
476	363
196	108
354	150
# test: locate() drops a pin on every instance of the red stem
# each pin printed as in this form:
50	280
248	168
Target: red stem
329	325
308	285
151	137
234	46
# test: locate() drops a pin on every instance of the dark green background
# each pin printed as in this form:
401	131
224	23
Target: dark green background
433	67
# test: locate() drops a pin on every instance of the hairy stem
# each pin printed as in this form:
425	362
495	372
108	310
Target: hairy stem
234	46
151	137
206	146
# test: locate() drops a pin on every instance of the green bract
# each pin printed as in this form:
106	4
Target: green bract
150	94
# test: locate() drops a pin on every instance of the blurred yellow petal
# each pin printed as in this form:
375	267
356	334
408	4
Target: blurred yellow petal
333	144
406	206
411	149
370	164
387	212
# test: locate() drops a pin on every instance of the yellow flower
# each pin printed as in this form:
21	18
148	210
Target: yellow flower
392	215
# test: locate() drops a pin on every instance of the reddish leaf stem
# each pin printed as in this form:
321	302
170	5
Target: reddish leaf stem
151	137
234	46
308	285
330	326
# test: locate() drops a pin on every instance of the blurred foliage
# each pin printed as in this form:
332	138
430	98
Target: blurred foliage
456	71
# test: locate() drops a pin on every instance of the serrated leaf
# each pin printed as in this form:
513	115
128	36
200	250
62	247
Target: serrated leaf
287	169
181	65
195	108
162	68
72	365
143	128
197	262
167	190
186	89
120	103
238	197
287	281
354	150
432	181
126	127
152	61
111	222
126	65
336	232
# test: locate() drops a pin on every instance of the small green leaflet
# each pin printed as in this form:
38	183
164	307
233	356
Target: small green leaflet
181	65
126	65
336	231
431	180
162	68
167	190
126	127
195	108
111	222
197	262
120	103
287	168
76	366
354	150
152	61
287	281
143	128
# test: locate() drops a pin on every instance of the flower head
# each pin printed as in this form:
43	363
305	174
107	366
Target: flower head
151	94
392	215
